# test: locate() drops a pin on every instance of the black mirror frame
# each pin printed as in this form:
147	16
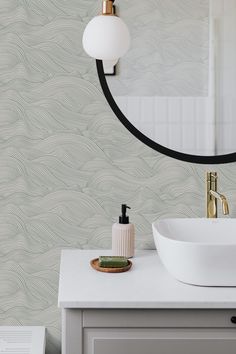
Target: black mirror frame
221	159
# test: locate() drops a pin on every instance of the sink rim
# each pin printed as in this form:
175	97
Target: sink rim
225	241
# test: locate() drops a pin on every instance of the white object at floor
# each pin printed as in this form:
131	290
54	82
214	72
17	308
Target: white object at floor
22	340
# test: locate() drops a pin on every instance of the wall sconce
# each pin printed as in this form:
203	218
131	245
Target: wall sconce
106	36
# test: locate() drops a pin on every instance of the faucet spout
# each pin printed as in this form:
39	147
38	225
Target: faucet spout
212	196
224	202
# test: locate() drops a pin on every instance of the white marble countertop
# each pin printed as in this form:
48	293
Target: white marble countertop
146	286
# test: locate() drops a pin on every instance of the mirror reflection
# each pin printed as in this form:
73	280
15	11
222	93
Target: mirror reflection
177	83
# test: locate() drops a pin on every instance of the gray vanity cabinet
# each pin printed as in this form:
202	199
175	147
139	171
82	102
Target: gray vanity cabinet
149	331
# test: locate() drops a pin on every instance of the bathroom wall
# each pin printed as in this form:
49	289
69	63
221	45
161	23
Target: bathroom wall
67	163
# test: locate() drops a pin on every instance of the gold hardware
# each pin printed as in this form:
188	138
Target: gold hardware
212	195
108	8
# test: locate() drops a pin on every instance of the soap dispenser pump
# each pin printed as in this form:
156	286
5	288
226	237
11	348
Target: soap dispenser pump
123	235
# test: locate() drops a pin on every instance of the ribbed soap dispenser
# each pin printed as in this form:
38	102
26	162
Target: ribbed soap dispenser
123	235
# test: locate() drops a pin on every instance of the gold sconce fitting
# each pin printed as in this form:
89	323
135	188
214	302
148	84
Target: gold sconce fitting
108	7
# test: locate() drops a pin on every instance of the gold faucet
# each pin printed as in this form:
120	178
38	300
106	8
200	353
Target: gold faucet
213	195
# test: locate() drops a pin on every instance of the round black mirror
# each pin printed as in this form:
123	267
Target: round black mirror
221	159
175	89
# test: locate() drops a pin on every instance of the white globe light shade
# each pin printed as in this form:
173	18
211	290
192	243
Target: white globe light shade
106	38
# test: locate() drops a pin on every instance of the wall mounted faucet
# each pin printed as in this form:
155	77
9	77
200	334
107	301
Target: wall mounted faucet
212	196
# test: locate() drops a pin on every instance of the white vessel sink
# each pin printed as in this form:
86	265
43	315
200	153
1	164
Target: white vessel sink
198	251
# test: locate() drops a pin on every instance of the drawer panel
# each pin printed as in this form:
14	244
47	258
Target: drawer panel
162	341
159	318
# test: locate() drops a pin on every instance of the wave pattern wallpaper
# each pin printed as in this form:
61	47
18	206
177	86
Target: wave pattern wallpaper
67	163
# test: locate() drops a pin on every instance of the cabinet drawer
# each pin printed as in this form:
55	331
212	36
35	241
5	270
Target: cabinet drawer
159	318
159	341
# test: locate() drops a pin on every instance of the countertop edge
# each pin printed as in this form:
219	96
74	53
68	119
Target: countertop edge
143	306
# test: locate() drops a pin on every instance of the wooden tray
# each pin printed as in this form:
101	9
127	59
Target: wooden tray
94	265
